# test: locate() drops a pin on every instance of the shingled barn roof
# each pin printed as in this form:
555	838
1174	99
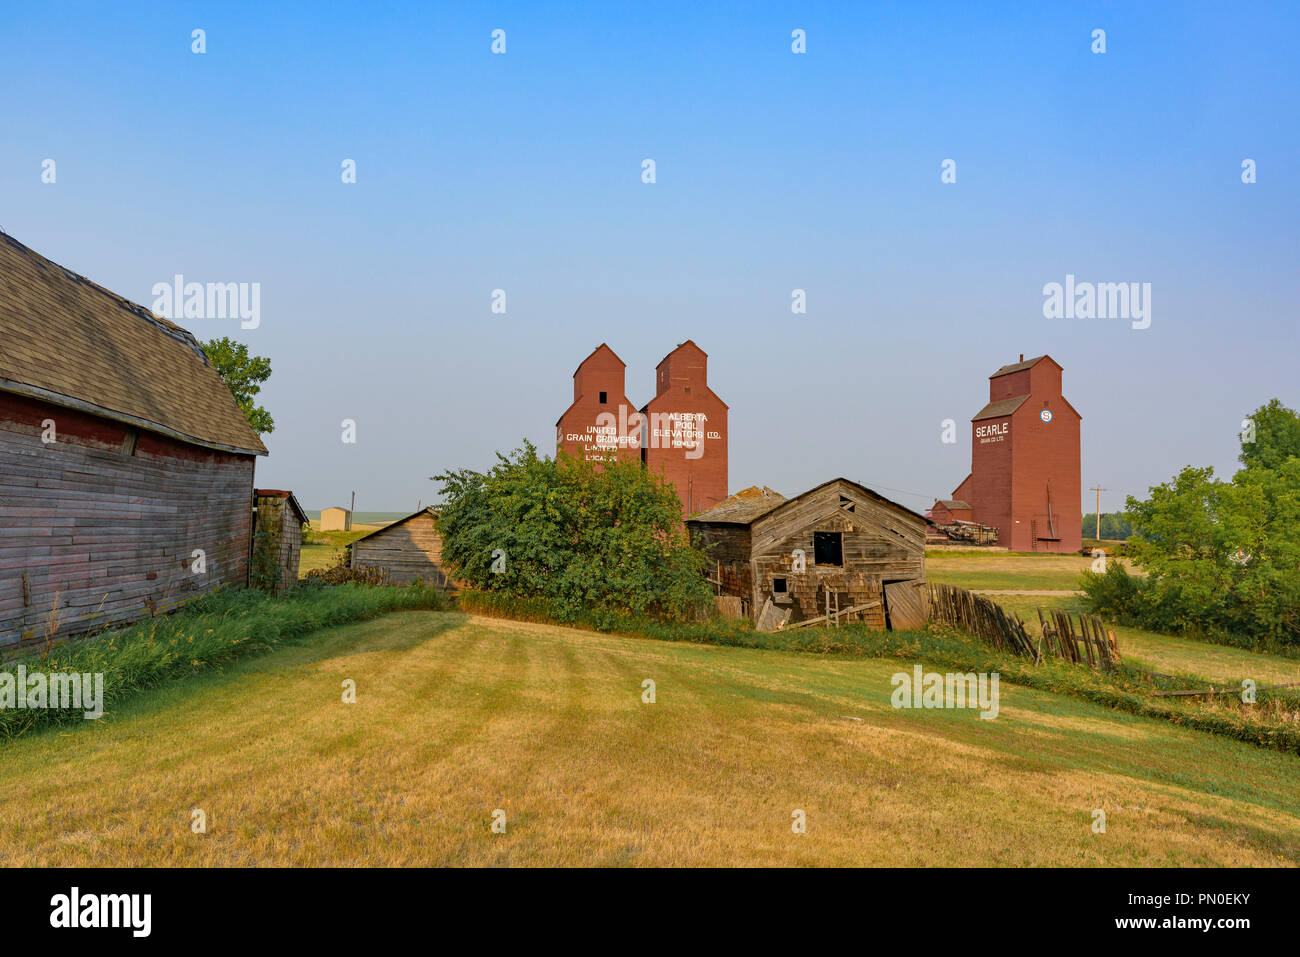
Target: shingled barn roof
69	342
742	507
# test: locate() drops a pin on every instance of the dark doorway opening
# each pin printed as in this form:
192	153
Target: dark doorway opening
828	548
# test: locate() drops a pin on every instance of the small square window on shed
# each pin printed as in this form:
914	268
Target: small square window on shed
778	585
603	398
828	548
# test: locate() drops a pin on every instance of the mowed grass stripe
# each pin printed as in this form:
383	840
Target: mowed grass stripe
457	717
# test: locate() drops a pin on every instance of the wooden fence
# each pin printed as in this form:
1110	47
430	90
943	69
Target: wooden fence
1089	644
986	620
1092	643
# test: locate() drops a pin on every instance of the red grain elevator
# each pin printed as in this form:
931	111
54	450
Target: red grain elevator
685	426
1025	476
601	424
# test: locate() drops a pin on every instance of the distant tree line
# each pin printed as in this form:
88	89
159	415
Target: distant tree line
1222	557
1114	526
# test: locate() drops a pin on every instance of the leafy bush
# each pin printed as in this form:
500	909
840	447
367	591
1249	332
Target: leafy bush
1114	593
213	628
590	541
1222	558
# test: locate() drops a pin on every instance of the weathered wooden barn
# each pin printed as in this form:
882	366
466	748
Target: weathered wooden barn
408	549
277	534
126	468
838	549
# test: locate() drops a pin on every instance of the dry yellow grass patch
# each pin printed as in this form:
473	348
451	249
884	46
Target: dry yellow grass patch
456	718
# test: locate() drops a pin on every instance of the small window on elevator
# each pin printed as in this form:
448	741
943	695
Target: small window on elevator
603	398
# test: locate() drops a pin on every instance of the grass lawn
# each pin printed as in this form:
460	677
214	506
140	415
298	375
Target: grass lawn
1169	654
1016	571
458	716
324	549
1005	570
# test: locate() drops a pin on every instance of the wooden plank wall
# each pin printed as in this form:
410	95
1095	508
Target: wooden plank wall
107	519
880	544
727	547
274	511
407	551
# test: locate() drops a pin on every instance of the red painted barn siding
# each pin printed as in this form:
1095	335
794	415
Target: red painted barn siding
941	514
111	533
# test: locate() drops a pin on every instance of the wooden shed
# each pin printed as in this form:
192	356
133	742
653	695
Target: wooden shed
945	511
408	549
277	539
126	468
838	549
335	519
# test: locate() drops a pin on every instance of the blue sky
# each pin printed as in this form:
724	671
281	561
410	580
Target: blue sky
775	171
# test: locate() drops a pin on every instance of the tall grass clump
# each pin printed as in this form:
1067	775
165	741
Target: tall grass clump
209	630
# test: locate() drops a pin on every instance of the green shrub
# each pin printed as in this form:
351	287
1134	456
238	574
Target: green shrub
594	543
1114	593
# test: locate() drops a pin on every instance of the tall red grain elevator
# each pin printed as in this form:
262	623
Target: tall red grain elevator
1025	476
601	425
686	430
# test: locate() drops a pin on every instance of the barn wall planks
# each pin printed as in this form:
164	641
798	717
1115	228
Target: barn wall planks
408	549
284	538
99	526
879	544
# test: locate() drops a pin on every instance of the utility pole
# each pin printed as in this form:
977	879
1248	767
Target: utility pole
352	508
1098	489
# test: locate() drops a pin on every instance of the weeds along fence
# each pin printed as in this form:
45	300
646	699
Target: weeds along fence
1090	644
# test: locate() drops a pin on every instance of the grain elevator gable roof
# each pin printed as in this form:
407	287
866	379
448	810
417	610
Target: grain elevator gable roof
1022	365
70	342
1000	408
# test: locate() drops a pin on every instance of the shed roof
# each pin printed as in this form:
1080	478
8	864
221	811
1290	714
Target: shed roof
742	507
70	342
284	493
744	517
952	504
427	510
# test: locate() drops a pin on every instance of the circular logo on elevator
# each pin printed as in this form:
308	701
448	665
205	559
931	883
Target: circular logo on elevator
1045	415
